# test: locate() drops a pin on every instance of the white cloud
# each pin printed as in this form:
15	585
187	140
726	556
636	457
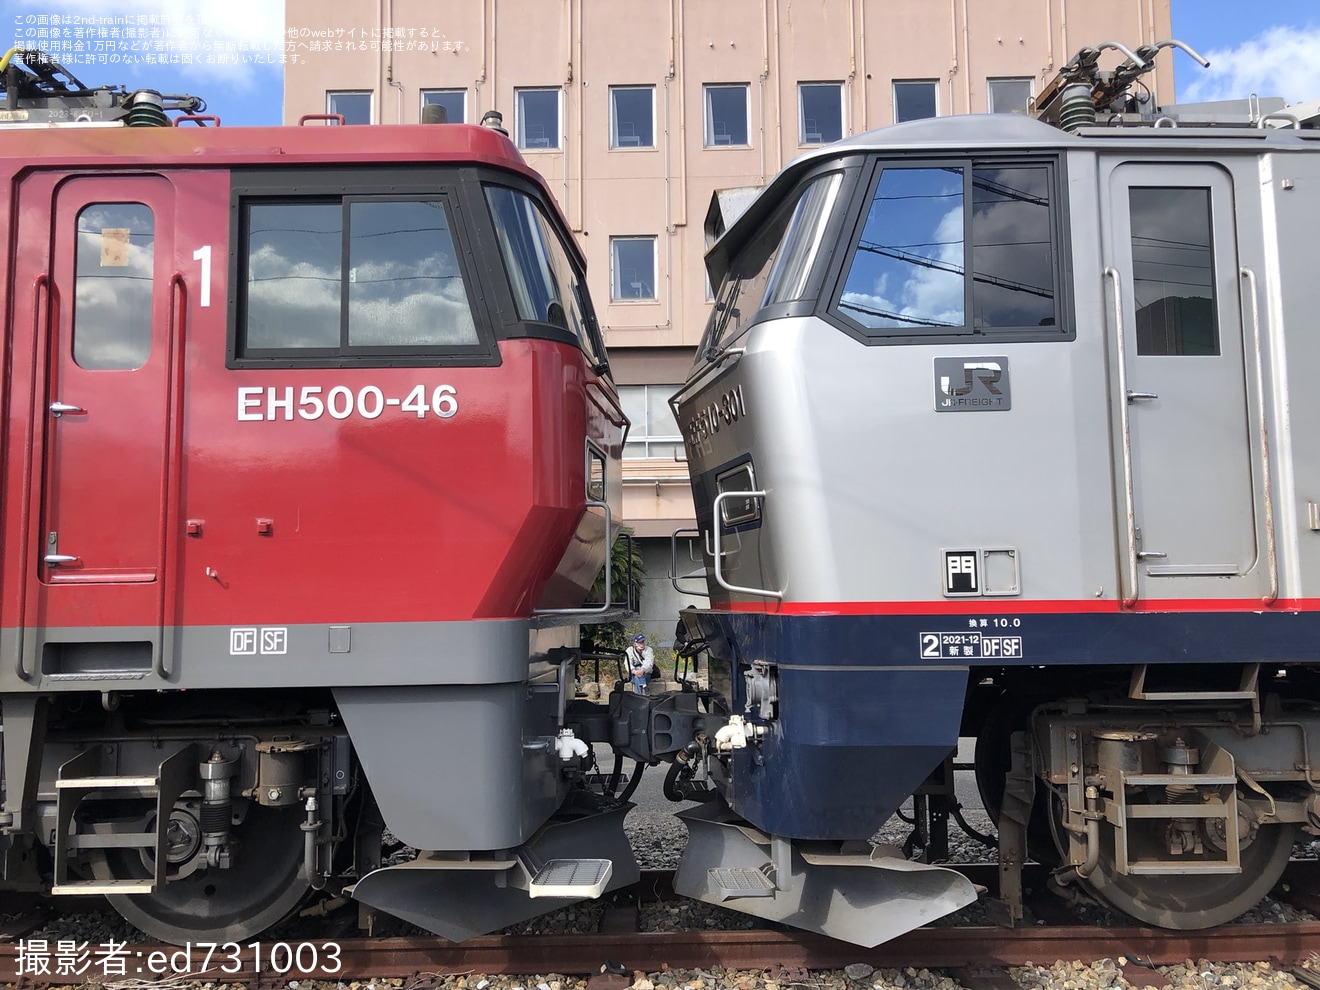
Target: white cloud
932	292
225	37
1282	61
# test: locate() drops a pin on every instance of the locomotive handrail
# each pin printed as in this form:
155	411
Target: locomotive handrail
609	589
1267	485
174	364
25	520
1279	115
612	401
1130	598
718	527
710	366
338	118
725	353
673	562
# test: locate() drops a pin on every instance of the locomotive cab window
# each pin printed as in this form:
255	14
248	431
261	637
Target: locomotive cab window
547	288
1173	271
928	227
113	280
774	268
352	277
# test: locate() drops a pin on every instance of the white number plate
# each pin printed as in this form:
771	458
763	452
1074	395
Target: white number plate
272	402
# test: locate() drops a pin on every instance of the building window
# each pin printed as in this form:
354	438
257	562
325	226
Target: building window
914	100
820	112
654	431
538	119
928	228
354	107
401	292
453	100
632	268
632	116
726	116
1007	95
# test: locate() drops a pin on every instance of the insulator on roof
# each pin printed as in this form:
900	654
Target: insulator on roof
147	109
1076	109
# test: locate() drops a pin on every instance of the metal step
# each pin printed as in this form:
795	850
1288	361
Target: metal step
109	783
1220	773
731	882
105	887
84	777
571	878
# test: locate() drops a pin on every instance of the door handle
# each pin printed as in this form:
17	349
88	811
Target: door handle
1134	396
1151	555
53	557
60	408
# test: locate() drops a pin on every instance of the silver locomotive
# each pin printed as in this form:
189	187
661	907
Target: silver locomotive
997	430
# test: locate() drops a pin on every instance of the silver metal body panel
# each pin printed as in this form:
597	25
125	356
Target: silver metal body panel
461	899
863	899
457	767
866	483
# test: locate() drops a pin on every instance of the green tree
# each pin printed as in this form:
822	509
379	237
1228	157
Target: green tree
626	572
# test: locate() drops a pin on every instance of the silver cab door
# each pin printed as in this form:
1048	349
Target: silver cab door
1189	464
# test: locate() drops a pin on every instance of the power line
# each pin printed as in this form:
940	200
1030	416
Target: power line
895	316
916	259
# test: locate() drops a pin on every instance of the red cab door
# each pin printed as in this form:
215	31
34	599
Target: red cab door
106	423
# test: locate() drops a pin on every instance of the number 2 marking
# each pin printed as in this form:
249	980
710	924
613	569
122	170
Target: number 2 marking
930	646
203	254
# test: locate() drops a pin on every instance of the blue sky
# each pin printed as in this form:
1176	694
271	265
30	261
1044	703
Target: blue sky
227	51
1271	48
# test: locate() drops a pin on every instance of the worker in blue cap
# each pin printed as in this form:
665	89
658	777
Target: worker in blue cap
641	661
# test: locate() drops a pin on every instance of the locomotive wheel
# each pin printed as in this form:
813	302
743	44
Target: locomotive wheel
1196	901
263	886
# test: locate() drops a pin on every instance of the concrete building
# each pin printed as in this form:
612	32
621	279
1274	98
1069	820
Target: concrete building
637	111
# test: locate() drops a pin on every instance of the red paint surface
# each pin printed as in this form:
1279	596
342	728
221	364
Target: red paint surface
388	519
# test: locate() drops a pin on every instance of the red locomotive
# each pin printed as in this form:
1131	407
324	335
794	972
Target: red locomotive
311	454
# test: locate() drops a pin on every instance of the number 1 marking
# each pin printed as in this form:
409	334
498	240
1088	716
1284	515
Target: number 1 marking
203	254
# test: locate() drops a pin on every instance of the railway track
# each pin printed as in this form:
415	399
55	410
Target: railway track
978	953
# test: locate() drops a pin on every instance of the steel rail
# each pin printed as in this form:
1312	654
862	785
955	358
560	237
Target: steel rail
931	948
954	947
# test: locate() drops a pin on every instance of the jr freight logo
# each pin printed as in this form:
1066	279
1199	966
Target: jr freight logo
972	384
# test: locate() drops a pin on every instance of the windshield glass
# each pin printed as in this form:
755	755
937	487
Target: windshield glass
774	265
546	286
